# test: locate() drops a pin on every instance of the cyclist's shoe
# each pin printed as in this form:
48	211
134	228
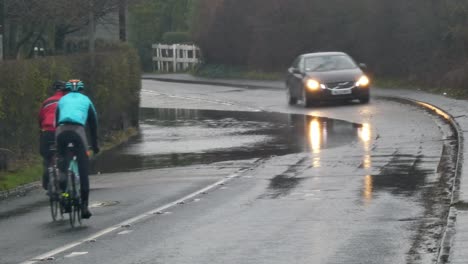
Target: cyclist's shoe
85	213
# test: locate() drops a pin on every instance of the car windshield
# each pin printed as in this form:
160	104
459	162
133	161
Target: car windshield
329	63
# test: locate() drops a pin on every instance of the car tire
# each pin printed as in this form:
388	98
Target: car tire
291	99
306	100
364	100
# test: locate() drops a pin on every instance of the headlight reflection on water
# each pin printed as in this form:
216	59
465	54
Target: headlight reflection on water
315	139
368	188
315	135
365	134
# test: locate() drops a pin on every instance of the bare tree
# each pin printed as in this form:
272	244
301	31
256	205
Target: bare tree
32	21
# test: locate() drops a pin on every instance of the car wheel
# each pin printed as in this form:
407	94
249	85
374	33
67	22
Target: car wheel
291	99
305	99
364	100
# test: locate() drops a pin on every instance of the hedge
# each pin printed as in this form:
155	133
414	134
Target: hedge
176	37
112	80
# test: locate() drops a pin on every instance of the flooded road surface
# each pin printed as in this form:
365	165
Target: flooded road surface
180	137
206	185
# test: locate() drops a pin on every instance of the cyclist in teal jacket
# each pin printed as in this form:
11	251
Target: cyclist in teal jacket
74	111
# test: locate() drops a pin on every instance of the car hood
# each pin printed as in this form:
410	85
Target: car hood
336	76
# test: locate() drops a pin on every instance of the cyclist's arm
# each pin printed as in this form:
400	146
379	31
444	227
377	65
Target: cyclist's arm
93	124
57	116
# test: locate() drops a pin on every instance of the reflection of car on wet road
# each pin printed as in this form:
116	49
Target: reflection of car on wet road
324	76
319	133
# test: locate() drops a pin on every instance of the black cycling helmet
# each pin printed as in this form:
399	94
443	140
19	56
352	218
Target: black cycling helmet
59	85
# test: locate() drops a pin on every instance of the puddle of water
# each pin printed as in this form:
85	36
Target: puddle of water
178	137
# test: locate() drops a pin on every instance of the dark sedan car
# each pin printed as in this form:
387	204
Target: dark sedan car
325	76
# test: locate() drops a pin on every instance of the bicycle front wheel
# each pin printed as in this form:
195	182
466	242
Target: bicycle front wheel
77	212
72	217
53	197
54	208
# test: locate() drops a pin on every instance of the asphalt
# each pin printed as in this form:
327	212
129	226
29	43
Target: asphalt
455	237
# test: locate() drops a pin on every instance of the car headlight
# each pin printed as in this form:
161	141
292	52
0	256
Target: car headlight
312	84
363	81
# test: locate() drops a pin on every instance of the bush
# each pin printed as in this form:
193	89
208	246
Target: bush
176	38
113	84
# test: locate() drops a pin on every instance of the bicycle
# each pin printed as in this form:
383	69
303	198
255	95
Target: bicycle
71	197
53	188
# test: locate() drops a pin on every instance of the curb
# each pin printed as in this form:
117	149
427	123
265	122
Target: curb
449	229
20	190
449	232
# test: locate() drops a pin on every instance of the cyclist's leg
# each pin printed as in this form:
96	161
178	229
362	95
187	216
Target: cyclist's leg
83	167
46	139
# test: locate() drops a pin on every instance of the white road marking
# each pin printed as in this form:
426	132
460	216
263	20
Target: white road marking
125	232
128	222
75	254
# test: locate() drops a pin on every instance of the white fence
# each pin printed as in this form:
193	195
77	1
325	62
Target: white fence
174	57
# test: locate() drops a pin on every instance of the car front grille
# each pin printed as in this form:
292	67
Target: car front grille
340	85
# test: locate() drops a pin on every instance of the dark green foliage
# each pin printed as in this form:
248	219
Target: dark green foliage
176	38
113	84
150	19
419	41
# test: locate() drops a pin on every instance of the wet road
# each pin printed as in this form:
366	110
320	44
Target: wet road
332	184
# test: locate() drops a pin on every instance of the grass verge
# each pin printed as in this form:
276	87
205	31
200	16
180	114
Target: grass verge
31	171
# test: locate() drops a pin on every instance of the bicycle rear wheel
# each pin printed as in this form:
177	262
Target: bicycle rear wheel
71	199
75	199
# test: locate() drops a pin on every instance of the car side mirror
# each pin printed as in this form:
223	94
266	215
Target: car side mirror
363	66
295	71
